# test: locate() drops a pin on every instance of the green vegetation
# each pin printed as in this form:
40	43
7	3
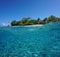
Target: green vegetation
29	21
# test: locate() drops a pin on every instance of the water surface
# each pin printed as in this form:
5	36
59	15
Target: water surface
30	41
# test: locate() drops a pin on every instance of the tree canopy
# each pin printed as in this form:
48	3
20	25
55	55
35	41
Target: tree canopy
30	21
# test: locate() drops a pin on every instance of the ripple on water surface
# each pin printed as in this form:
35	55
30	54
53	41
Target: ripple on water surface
30	41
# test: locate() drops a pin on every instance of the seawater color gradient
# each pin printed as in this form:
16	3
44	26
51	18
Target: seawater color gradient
30	41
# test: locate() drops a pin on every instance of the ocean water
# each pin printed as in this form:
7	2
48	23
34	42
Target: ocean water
28	41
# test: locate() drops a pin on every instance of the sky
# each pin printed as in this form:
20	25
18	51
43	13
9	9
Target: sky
17	9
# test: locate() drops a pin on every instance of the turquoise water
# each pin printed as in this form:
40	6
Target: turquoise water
30	41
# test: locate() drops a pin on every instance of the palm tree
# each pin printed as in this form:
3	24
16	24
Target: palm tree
38	20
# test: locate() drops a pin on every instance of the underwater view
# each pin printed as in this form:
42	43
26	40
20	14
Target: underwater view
29	41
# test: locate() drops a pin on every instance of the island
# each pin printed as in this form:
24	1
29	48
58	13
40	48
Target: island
38	21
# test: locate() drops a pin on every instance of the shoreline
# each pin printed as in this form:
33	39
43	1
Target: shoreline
25	25
33	25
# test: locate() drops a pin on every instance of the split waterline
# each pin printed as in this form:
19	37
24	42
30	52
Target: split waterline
30	41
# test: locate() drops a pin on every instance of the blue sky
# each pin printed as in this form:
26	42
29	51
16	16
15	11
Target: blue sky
17	9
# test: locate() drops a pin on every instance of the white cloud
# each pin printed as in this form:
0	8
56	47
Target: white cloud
4	24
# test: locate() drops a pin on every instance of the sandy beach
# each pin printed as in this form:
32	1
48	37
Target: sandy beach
34	25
